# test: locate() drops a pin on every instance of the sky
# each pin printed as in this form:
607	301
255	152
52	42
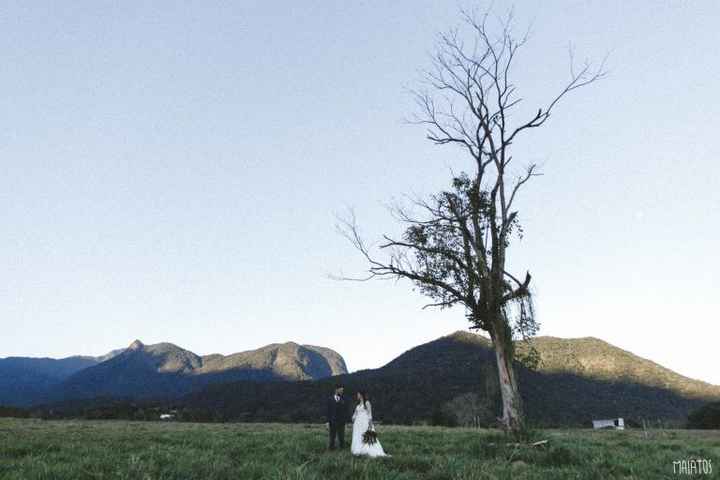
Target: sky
171	171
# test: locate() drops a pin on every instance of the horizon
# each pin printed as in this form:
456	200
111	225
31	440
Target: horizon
173	173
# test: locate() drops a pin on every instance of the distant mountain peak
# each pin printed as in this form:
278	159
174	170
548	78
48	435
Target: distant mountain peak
136	345
468	337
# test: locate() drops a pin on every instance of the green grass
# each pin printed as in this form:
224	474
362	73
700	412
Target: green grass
36	449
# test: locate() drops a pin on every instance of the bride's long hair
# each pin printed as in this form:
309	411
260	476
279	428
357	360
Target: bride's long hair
365	397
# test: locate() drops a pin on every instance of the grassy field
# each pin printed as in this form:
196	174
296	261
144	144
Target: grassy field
36	449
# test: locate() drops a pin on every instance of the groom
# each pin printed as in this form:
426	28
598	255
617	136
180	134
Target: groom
337	414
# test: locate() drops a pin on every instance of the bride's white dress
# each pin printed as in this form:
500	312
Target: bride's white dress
362	419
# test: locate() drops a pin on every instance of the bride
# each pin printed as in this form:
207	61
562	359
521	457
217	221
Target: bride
362	422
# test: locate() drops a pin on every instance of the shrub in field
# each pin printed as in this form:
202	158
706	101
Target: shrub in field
443	418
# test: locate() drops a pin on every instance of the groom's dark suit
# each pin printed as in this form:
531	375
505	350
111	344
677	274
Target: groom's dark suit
337	416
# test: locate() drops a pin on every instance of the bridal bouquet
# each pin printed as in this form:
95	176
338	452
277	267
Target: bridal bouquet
369	437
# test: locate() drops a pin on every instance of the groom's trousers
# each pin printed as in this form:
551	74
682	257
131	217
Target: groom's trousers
337	430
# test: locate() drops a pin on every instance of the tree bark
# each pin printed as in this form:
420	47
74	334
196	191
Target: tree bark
512	417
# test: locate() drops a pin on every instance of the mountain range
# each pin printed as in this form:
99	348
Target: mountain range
23	379
444	381
159	371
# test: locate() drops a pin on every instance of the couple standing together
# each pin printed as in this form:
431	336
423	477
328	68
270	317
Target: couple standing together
364	438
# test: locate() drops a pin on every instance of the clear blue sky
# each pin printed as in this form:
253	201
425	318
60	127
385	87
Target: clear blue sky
170	172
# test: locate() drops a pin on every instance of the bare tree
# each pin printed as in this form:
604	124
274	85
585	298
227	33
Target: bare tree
454	247
476	409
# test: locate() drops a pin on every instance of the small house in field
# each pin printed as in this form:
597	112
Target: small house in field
615	423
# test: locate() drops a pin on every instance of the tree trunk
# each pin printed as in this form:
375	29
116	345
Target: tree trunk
512	415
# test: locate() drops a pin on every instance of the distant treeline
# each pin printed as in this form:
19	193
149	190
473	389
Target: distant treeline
14	412
705	417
